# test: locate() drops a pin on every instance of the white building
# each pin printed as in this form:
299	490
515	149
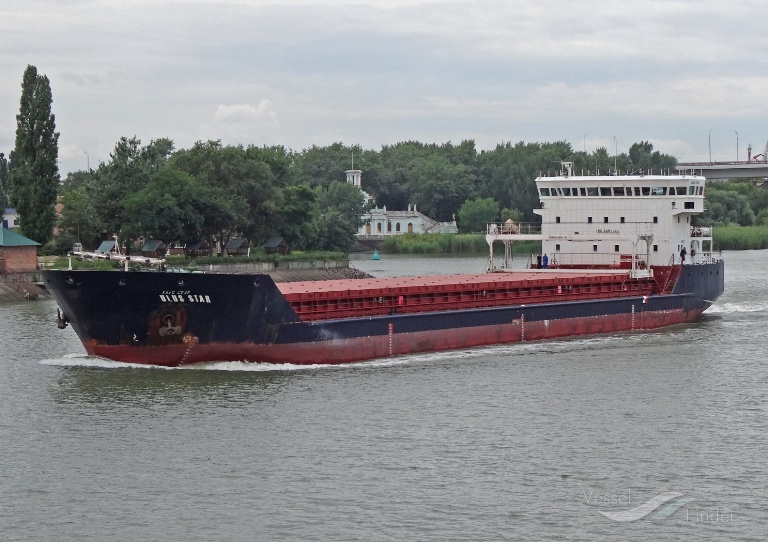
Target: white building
381	222
10	218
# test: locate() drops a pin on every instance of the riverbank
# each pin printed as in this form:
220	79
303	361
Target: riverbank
447	243
724	238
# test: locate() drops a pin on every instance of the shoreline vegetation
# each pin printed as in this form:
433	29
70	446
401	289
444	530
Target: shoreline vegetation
733	237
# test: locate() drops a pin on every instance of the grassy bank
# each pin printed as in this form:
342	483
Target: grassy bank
740	237
446	243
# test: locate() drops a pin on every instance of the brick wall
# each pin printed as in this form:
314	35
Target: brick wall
19	258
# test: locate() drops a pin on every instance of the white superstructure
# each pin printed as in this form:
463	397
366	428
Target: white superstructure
617	220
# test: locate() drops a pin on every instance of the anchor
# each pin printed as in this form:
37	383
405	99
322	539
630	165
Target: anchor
61	319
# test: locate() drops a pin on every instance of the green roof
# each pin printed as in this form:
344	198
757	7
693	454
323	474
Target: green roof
9	238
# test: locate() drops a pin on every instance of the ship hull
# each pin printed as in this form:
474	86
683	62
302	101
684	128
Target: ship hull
172	319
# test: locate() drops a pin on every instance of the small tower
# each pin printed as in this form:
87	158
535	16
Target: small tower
354	177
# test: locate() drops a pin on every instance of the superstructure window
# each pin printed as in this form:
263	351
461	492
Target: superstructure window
592	191
566	191
622	220
594	248
637	191
688	205
680	191
557	219
583	191
605	220
605	190
557	247
692	190
589	220
615	248
655	248
655	219
659	191
646	190
618	191
544	191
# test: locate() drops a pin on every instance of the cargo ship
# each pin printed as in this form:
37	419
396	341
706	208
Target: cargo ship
619	254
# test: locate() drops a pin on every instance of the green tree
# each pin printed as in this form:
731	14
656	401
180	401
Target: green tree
338	216
34	170
475	214
726	207
79	219
295	217
4	180
173	206
129	170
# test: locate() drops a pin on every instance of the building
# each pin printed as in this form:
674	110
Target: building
381	222
10	218
17	253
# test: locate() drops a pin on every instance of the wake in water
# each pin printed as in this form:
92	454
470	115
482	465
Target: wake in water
83	360
730	308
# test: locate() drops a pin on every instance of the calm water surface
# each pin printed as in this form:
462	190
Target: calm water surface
531	441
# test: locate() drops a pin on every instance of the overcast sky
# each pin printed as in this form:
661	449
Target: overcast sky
300	73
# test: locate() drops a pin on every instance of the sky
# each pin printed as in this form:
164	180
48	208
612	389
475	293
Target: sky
688	76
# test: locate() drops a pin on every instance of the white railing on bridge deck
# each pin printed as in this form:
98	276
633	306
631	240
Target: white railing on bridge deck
504	228
573	229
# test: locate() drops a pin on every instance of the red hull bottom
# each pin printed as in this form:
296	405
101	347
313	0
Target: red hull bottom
360	349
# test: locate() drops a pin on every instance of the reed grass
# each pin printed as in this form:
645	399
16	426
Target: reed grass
740	237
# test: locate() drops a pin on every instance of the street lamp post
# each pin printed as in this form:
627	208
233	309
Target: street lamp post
87	159
737	145
710	147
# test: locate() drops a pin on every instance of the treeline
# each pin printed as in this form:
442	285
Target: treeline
215	192
735	203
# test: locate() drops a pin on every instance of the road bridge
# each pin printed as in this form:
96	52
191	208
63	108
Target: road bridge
726	170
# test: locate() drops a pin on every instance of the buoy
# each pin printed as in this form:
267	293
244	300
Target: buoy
375	255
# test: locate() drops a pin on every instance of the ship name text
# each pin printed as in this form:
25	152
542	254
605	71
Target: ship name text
183	297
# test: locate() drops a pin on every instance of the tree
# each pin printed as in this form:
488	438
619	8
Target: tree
34	170
3	181
475	214
339	211
79	219
726	207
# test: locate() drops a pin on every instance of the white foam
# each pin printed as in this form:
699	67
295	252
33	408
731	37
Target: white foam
83	360
729	308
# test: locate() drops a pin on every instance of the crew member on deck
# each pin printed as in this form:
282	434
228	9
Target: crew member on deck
682	256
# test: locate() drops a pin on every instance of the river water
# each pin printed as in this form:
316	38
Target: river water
535	441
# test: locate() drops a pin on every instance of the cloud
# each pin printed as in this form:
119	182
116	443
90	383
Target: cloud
247	114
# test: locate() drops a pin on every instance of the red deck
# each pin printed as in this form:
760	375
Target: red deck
333	299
